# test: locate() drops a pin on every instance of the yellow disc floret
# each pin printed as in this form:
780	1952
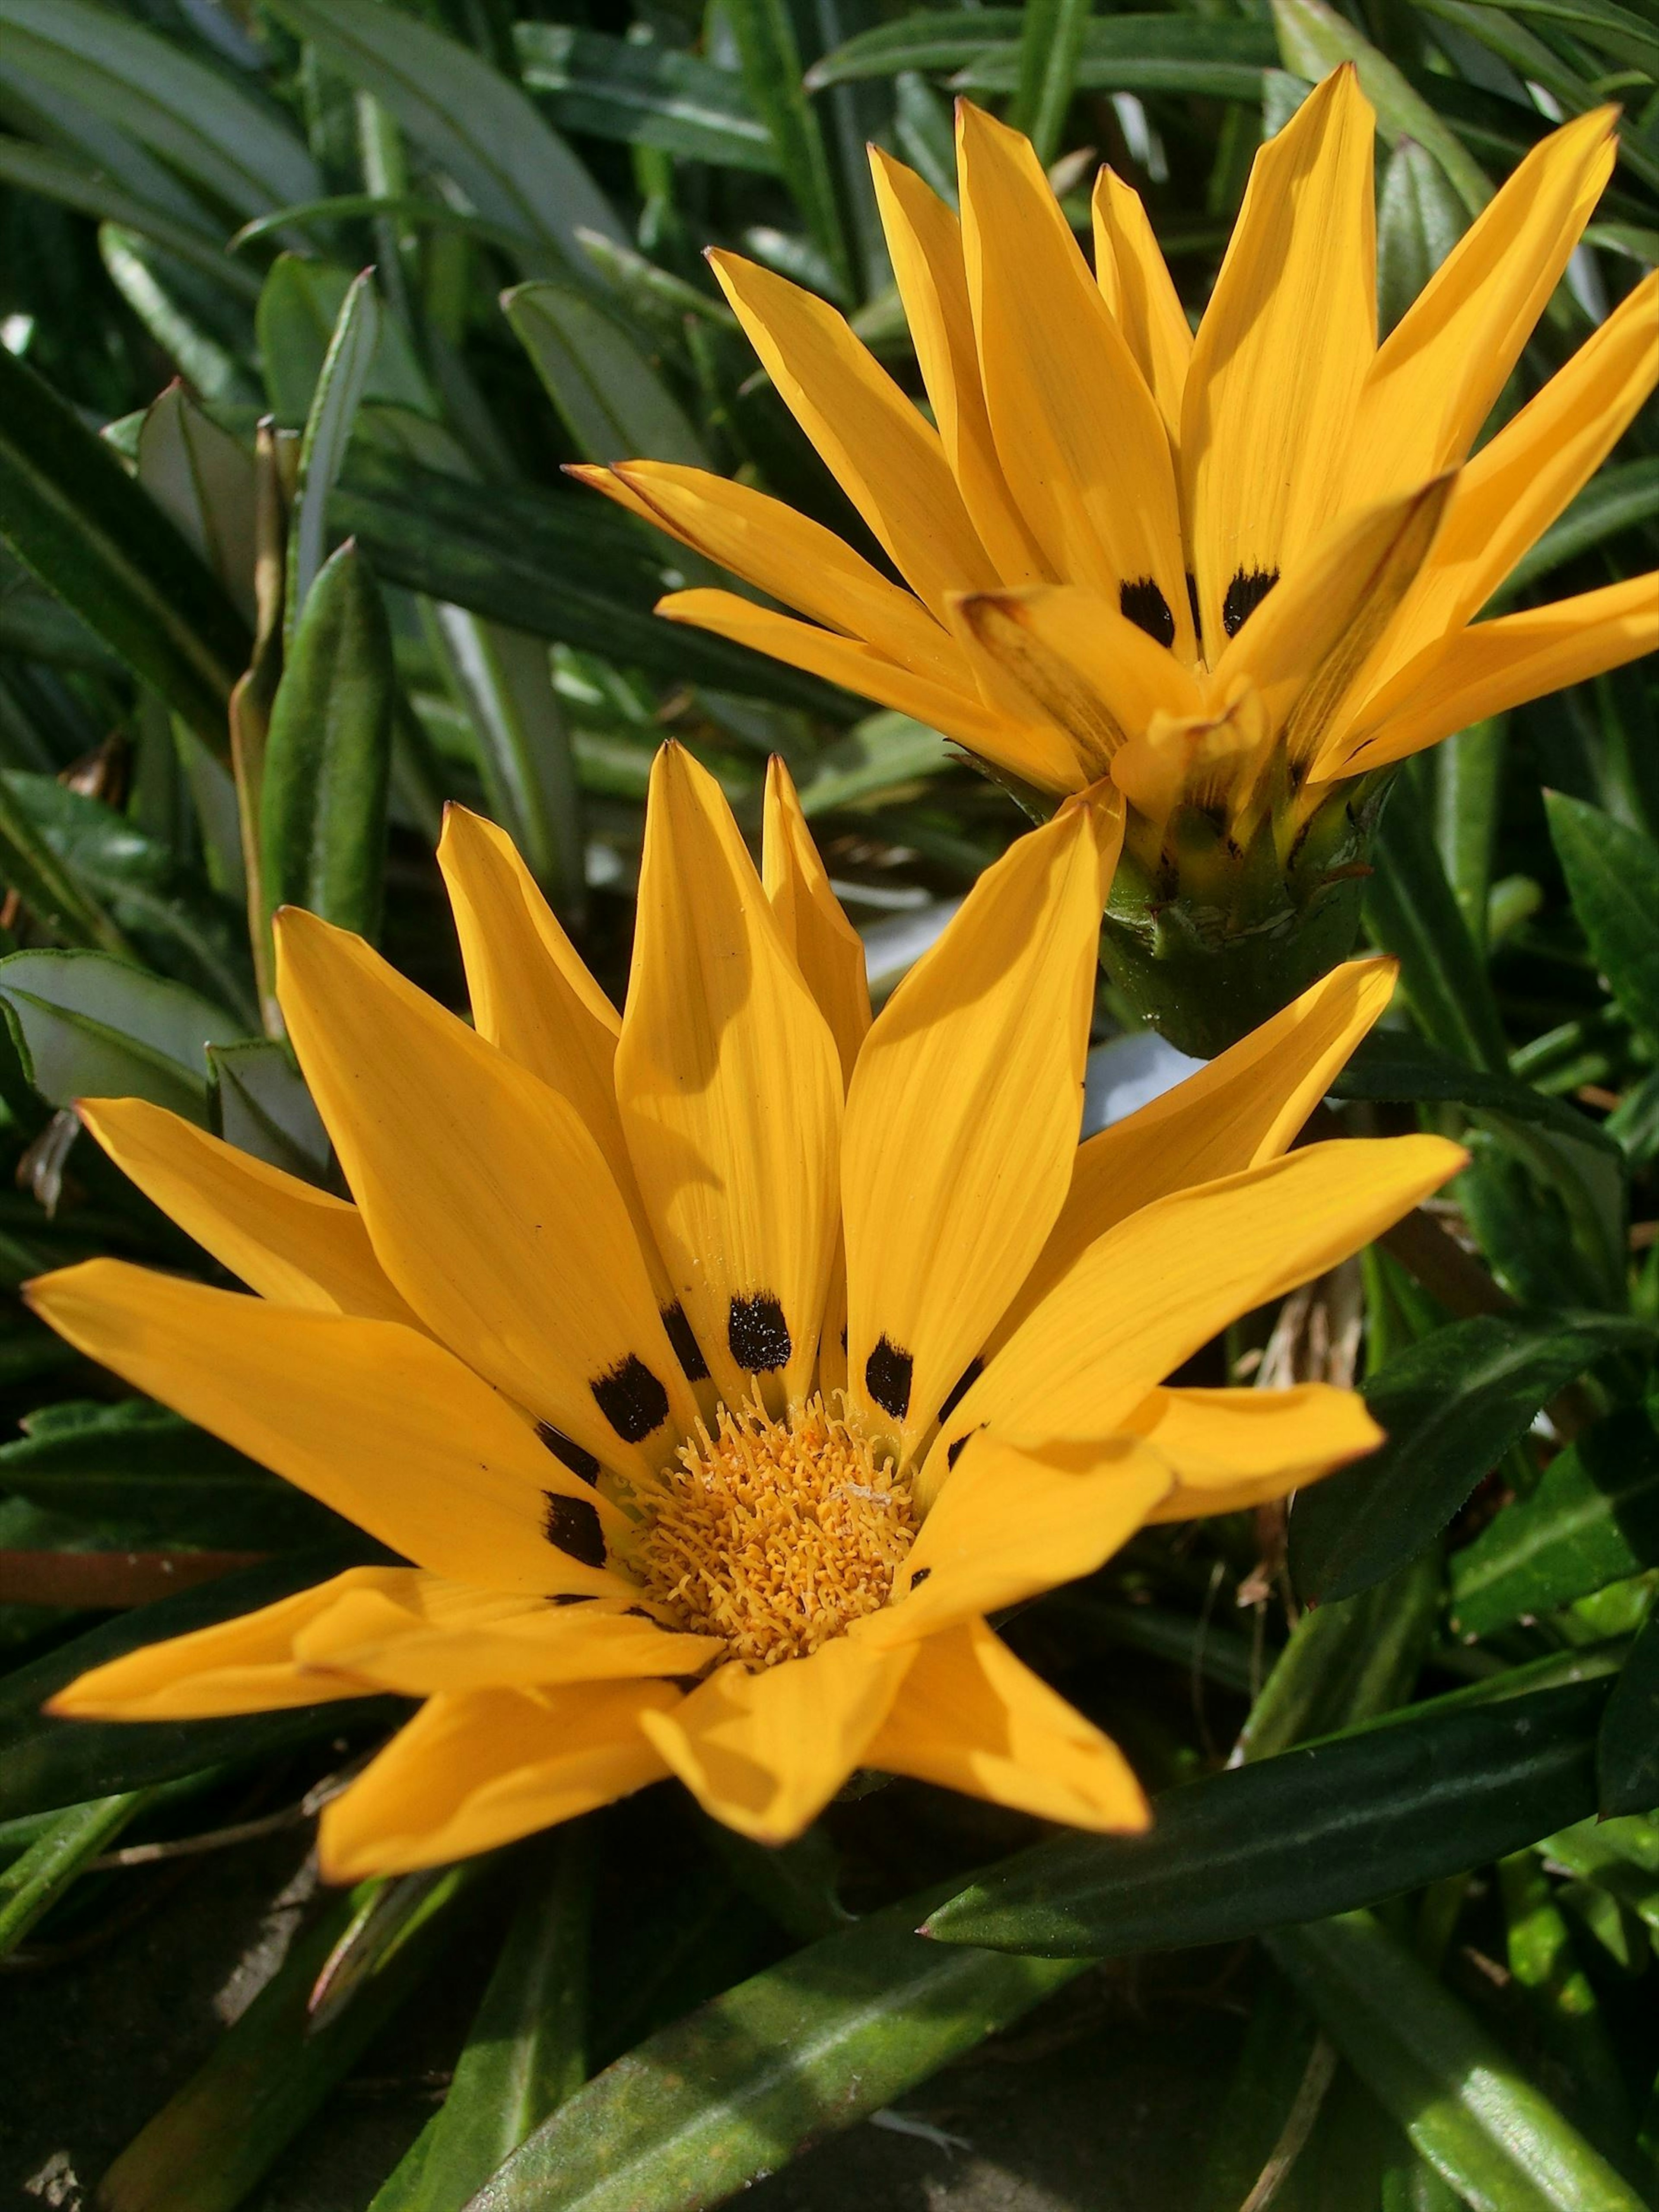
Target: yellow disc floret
776	1536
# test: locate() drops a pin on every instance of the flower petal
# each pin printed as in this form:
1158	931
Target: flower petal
1149	1292
1082	444
972	1717
488	1201
825	946
1232	1448
765	1753
1135	283
378	1421
1282	353
731	1095
288	1240
883	451
483	1767
962	1116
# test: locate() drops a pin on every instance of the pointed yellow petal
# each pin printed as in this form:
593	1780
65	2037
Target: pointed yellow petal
378	1421
1240	1111
971	1718
1009	1524
483	1767
962	1117
488	1201
1149	1293
797	561
1082	444
1135	283
1437	374
731	1095
1282	352
766	1753
1233	1449
825	946
885	455
1498	664
288	1241
241	1666
924	240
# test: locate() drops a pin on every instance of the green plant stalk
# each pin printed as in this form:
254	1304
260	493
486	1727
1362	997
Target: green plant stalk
33	1884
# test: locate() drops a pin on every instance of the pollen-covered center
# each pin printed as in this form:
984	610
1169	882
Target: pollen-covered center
776	1536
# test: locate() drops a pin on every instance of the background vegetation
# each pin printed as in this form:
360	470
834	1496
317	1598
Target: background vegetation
435	249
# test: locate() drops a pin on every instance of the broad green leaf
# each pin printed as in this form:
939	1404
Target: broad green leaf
1627	1754
830	2035
769	57
45	1762
1411	911
1593	1519
155	1475
1348	1821
1450	1407
259	1102
70	511
32	1883
299	311
883	756
614	402
1625	496
1613	876
1420	218
1050	43
341	383
203	477
1468	2109
88	1026
467	117
323	794
645	95
51	891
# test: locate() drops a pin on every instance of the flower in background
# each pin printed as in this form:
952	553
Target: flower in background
718	1370
1238	573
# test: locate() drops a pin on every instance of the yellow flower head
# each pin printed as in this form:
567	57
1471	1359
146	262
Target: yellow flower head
1236	572
720	1369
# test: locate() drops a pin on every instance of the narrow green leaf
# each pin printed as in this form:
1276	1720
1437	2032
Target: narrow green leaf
341	384
1593	1519
70	511
1420	218
1613	875
259	1102
1346	1662
882	757
1468	788
299	311
29	866
88	1026
32	1883
1221	59
1450	1407
1627	1755
1465	2104
1617	31
322	812
1050	43
645	95
1543	1961
202	477
57	177
1625	496
771	65
1411	911
614	402
931	40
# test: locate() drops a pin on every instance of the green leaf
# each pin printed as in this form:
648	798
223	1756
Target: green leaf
770	59
259	1102
884	754
1468	2107
466	117
614	402
1349	1821
1222	58
1411	911
202	477
1468	793
1613	876
45	1762
1346	1662
30	866
1420	218
645	95
57	177
1391	1064
1627	1754
299	311
86	1026
1625	496
729	2092
70	510
1593	1519
341	383
323	797
1617	31
1050	43
33	1884
1450	1406
1563	2003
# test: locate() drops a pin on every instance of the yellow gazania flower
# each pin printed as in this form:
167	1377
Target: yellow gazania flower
1236	572
720	1370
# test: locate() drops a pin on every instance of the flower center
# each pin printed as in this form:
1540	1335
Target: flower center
776	1536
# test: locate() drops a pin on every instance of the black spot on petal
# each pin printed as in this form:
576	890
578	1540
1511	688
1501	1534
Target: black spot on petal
843	1338
887	1377
570	1597
687	1350
758	1334
631	1398
1244	595
920	1577
954	1450
964	1383
572	1525
1146	606
1192	601
565	1448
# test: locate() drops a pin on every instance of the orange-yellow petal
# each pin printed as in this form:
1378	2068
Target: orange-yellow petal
1232	1448
825	946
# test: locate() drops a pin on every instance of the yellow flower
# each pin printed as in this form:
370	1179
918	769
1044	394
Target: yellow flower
1236	572
720	1370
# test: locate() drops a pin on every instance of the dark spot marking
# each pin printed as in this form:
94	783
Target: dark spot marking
687	1350
953	1451
758	1334
920	1577
843	1339
572	1525
1244	595
1146	607
887	1377
964	1383
570	1597
1192	601
631	1398
565	1448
